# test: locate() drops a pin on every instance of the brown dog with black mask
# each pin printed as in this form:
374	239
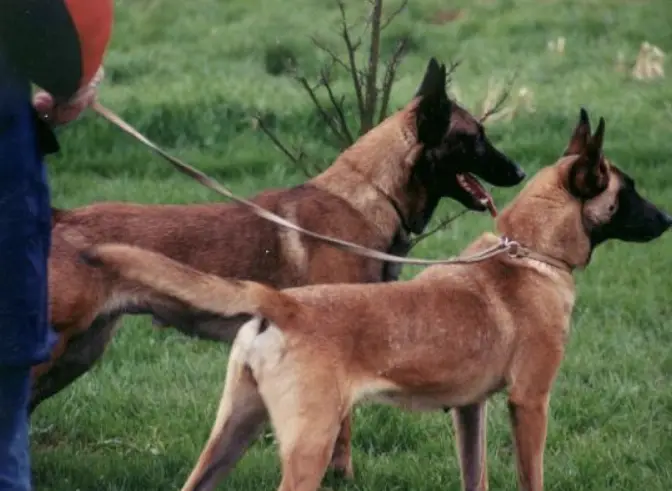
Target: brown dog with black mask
449	338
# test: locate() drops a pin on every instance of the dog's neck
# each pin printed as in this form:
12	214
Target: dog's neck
373	173
547	226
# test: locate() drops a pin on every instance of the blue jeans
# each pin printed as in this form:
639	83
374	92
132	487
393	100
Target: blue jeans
25	234
14	445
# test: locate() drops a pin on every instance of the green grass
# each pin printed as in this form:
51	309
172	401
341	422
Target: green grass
189	75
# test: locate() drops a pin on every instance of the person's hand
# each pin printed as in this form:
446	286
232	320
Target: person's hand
59	113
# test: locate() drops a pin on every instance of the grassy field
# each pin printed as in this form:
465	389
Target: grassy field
190	75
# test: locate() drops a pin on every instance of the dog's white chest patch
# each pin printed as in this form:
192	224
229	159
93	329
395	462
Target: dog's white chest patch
292	243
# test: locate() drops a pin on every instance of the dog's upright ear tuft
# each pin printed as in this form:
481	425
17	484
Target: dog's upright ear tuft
594	148
579	140
432	83
589	174
434	108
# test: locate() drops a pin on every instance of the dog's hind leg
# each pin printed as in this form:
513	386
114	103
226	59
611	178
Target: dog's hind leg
81	353
240	419
470	431
305	454
306	411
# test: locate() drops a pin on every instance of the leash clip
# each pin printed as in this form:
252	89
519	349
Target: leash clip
513	247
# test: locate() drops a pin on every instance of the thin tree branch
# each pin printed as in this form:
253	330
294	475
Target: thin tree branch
369	93
388	79
371	90
314	168
452	67
334	57
296	159
337	60
440	226
365	27
323	113
394	14
499	104
351	57
338	106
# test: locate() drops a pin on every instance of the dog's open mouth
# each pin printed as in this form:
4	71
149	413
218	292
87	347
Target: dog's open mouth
480	196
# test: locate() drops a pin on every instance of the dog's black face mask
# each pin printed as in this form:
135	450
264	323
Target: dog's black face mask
472	154
456	149
635	219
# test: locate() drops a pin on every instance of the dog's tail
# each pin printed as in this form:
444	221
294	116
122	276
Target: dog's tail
201	291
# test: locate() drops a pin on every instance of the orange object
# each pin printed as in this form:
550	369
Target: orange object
93	21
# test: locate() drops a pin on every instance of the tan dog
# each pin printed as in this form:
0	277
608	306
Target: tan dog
386	186
449	338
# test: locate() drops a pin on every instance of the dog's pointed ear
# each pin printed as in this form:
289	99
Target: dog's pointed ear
433	85
594	147
589	174
434	108
580	136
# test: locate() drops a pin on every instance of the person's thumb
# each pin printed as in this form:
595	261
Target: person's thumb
43	102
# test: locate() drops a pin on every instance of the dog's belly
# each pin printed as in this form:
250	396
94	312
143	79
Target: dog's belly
436	398
201	326
416	402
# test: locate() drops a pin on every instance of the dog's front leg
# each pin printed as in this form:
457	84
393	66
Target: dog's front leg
529	419
532	375
470	431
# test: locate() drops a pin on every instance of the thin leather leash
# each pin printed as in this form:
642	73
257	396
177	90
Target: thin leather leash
504	245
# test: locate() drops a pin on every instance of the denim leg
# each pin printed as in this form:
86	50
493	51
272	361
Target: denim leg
25	227
14	447
25	234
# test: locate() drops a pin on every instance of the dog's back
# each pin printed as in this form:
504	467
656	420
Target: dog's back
222	239
229	240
